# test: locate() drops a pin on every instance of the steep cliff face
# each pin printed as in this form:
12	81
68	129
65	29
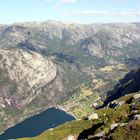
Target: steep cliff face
25	79
27	67
112	41
130	84
98	40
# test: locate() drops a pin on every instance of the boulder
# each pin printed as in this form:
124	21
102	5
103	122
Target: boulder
99	135
71	137
136	96
136	117
123	124
116	104
93	116
113	126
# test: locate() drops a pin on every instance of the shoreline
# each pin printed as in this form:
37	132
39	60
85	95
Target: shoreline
58	108
63	109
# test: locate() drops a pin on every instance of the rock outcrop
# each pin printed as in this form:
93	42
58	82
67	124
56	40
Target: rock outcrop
25	78
29	72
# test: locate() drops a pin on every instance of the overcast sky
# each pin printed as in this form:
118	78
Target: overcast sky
80	11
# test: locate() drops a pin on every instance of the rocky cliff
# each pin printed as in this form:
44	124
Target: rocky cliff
43	64
25	79
98	40
129	84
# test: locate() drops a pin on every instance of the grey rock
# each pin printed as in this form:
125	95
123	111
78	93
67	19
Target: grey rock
136	117
93	116
136	96
116	104
99	135
115	125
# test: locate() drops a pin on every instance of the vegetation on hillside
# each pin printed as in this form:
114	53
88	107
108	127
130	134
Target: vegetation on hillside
120	120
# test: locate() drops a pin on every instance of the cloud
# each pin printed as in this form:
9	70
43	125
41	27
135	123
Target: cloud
67	1
57	1
130	14
47	0
40	1
91	12
102	13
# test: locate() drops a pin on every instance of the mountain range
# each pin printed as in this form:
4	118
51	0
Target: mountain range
72	66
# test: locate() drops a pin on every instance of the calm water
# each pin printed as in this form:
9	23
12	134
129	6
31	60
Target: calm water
37	124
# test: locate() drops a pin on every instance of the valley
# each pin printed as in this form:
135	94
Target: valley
66	65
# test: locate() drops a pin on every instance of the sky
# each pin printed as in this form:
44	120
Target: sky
77	11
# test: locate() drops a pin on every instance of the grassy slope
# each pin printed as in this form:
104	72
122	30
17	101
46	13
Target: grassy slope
107	116
128	132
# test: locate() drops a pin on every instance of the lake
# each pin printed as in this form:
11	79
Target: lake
37	124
